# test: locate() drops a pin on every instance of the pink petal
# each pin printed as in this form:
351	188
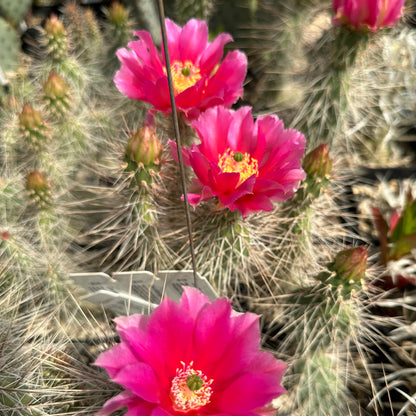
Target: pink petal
133	333
225	187
369	12
193	300
115	359
336	4
126	323
193	40
240	132
173	32
213	324
214	53
227	81
248	392
268	129
194	199
393	13
250	204
212	128
140	379
240	339
168	324
126	83
157	94
174	153
157	411
205	194
123	399
192	96
201	166
146	51
267	363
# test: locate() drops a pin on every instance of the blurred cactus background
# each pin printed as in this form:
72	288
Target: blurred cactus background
87	184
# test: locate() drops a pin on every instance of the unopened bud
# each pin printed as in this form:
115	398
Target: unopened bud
29	118
38	188
144	147
36	181
33	127
54	27
317	163
350	265
56	38
117	14
55	86
56	92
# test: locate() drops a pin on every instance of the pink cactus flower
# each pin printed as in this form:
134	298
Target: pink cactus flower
200	79
368	14
246	164
195	357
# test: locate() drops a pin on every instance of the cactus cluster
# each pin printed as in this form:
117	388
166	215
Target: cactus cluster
89	183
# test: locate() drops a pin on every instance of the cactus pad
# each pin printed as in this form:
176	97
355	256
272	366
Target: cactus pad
13	10
10	46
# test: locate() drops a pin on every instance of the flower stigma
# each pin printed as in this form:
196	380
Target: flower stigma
184	75
239	162
190	389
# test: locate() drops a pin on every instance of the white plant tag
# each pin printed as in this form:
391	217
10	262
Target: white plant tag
138	291
119	303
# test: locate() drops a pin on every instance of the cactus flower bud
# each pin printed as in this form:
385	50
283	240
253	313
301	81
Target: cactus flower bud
56	92
317	162
54	27
38	188
56	38
117	14
144	147
350	265
55	87
29	118
32	126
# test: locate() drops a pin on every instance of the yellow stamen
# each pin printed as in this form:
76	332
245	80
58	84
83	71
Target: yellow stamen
239	162
184	75
190	389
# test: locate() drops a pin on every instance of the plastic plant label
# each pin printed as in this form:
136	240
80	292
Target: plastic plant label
138	291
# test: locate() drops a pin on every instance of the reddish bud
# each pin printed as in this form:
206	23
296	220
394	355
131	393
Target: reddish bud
317	162
55	87
54	27
144	147
117	14
36	181
351	264
30	119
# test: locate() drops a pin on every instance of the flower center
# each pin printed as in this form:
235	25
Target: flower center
184	75
239	162
190	389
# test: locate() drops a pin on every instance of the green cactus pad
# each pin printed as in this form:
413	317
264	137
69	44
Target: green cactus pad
10	46
13	10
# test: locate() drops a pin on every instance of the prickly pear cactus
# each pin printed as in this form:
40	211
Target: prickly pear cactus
13	10
10	46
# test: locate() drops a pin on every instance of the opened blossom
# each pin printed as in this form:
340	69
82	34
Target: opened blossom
245	164
201	79
195	357
368	14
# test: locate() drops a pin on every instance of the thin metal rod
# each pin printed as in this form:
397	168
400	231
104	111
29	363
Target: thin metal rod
177	134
